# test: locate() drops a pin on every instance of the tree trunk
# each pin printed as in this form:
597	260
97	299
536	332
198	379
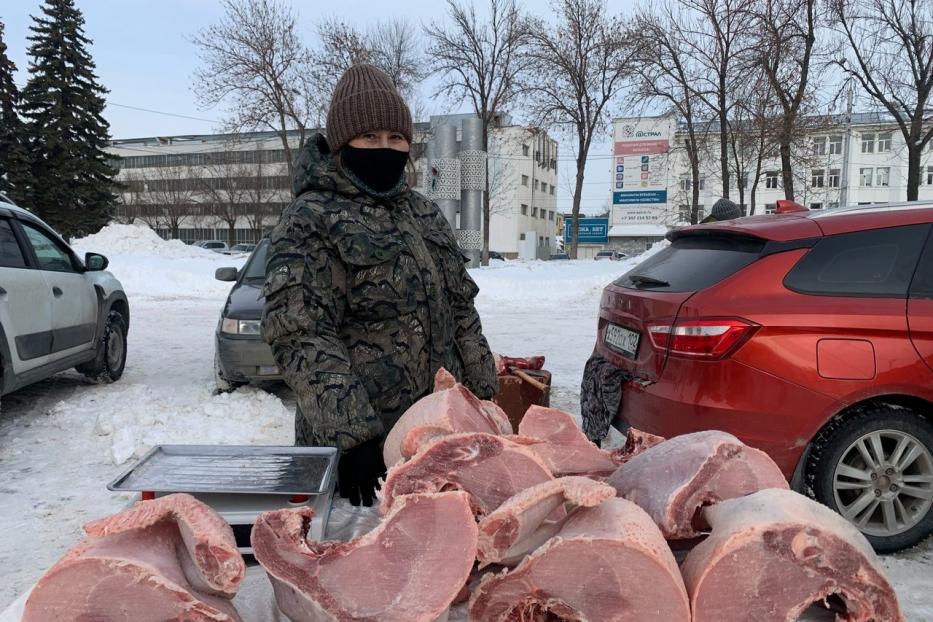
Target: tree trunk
913	170
577	195
787	173
693	156
231	233
751	199
723	141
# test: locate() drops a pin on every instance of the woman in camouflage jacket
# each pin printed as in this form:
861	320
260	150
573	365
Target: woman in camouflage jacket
366	290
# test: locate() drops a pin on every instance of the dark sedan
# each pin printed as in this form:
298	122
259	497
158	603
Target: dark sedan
241	356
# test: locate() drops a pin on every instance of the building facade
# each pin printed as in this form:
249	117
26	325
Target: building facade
836	162
233	187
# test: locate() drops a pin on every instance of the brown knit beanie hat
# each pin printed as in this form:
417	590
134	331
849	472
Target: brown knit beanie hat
365	100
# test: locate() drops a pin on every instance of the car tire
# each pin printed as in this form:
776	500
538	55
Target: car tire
876	469
221	383
110	361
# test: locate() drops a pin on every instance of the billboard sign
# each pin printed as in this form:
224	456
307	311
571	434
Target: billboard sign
641	147
592	230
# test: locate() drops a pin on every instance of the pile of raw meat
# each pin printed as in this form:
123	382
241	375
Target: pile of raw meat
542	525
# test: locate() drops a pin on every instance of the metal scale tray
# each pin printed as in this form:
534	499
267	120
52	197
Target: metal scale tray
239	481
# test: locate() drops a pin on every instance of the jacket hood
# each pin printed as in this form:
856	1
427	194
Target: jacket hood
316	170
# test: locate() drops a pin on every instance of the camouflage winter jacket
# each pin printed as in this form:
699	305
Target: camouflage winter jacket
366	297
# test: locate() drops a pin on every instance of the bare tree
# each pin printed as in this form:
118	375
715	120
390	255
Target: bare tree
391	46
264	193
479	61
576	67
253	61
665	72
168	195
887	47
225	189
130	198
717	39
785	50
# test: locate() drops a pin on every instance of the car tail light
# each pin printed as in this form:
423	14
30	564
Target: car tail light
709	338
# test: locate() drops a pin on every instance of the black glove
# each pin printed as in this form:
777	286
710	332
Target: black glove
359	471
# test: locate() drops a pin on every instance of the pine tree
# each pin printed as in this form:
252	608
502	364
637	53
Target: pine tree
14	164
63	105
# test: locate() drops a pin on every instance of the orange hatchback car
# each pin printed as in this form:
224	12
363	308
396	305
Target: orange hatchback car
806	334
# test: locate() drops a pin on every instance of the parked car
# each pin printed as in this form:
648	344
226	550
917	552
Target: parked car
212	245
495	255
56	311
241	356
808	335
610	255
559	256
5	199
243	248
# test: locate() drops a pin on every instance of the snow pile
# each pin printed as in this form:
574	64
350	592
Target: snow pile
525	282
152	268
136	239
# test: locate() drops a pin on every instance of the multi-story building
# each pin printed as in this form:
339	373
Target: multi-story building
233	187
836	163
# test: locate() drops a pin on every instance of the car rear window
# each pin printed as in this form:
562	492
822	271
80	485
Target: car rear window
692	263
875	263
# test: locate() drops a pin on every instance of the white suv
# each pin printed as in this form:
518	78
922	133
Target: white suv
56	311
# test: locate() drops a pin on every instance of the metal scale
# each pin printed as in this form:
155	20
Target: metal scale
239	481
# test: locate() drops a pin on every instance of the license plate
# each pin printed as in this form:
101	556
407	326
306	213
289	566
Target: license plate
622	339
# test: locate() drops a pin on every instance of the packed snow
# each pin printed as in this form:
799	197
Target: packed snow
64	439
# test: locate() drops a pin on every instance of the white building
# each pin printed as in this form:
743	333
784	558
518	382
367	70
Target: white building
651	180
223	186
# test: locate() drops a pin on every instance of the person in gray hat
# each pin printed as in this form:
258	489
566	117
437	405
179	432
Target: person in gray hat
367	295
723	209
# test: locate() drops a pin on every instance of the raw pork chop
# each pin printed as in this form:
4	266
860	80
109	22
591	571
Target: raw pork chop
636	442
675	479
408	569
446	411
608	563
774	553
490	468
527	520
172	558
565	449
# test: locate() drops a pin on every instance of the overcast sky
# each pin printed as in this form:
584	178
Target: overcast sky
145	58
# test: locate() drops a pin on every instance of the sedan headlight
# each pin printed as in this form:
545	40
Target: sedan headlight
240	327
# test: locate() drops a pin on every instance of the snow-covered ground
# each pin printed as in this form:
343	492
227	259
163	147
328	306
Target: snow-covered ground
63	439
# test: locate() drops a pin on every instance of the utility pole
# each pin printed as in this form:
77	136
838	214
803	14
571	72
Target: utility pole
844	191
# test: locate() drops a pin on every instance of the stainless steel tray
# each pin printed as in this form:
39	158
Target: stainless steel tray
232	469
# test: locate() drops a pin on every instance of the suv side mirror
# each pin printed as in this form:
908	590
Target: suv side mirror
95	262
226	274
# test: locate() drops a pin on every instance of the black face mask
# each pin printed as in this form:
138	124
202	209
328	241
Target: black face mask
379	169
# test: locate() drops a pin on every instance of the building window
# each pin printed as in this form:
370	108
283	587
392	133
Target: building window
741	181
816	206
884	142
817	177
884	175
835	145
833	204
550	215
521	236
524	210
770	208
524	180
930	173
686	183
866	174
771	179
868	143
525	150
534	212
552	188
833	178
684	213
819	145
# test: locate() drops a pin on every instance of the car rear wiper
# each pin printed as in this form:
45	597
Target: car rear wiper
647	281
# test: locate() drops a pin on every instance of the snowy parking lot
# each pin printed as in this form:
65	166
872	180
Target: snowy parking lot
63	439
